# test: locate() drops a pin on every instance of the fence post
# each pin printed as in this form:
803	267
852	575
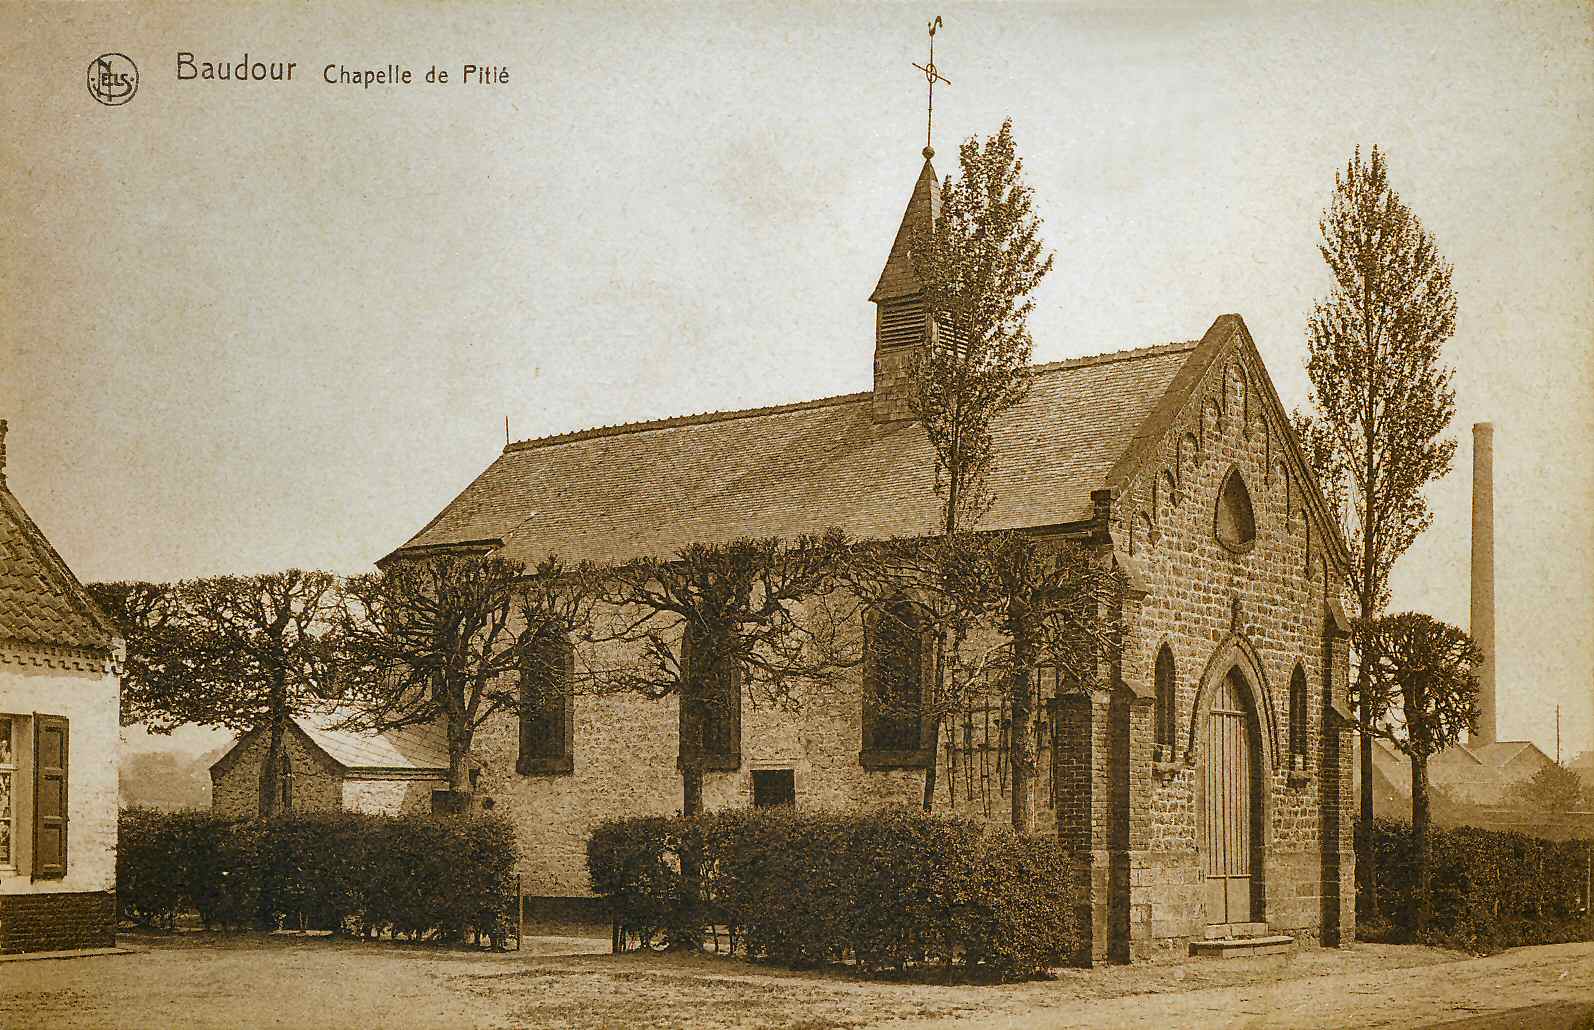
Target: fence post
520	913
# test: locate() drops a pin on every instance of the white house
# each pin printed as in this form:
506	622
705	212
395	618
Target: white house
59	697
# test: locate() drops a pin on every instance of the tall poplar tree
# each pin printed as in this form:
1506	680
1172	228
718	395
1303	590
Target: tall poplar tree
1381	401
977	265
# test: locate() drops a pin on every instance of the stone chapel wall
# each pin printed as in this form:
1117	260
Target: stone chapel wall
1268	597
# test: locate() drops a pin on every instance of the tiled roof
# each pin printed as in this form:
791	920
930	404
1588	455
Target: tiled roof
413	747
653	487
41	602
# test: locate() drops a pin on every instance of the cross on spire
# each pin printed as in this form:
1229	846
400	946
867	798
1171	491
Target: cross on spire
931	77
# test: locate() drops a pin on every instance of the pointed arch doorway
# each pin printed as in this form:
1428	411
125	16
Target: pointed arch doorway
1231	807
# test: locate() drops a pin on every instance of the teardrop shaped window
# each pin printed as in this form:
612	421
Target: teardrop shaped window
1236	521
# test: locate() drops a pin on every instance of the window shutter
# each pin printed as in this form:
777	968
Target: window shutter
49	797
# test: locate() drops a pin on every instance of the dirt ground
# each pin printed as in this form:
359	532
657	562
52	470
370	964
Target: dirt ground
214	980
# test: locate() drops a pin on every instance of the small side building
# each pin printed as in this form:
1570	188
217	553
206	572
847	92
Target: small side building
60	692
325	769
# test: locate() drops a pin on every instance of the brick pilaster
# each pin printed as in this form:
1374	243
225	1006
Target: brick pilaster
1337	797
1084	810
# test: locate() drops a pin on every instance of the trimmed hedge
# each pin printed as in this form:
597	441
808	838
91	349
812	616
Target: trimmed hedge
884	890
417	875
1488	890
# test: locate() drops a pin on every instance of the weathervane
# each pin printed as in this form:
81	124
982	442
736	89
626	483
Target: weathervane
931	77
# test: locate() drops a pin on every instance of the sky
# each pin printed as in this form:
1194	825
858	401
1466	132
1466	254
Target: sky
246	326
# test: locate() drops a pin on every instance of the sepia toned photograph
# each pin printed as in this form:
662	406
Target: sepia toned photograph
1047	515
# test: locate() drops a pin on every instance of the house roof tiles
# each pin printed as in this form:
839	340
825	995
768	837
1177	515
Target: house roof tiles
41	601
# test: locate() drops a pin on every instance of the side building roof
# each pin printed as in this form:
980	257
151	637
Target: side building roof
412	749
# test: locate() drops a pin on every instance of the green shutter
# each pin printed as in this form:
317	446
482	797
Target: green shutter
50	749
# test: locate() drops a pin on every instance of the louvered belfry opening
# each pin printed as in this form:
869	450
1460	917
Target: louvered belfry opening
900	323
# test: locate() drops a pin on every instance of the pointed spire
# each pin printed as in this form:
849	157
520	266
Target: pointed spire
924	207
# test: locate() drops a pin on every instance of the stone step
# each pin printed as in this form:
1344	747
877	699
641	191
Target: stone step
1240	947
1222	931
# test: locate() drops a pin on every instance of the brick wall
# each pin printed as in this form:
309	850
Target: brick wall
57	921
317	780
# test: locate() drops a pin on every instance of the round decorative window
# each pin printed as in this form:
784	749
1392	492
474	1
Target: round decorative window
1236	520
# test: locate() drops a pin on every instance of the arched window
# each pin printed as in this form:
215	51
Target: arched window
547	708
285	782
1236	520
1166	717
712	721
893	702
1298	714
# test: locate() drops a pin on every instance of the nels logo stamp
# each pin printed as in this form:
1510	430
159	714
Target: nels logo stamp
113	79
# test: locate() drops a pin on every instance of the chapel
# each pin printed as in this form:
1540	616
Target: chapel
1202	785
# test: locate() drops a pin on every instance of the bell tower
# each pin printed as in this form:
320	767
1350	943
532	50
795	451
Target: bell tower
902	320
901	323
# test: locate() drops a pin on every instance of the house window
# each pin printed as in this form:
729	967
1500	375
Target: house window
1298	716
8	791
893	702
1165	711
774	787
711	716
547	708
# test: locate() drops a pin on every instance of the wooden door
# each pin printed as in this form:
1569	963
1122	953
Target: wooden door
1229	805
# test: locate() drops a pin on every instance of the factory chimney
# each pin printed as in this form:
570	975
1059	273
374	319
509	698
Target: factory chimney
1483	576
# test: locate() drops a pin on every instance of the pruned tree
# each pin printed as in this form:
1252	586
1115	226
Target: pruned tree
444	639
145	613
1420	675
1554	788
939	579
716	622
1055	603
977	265
235	652
1381	399
1004	605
